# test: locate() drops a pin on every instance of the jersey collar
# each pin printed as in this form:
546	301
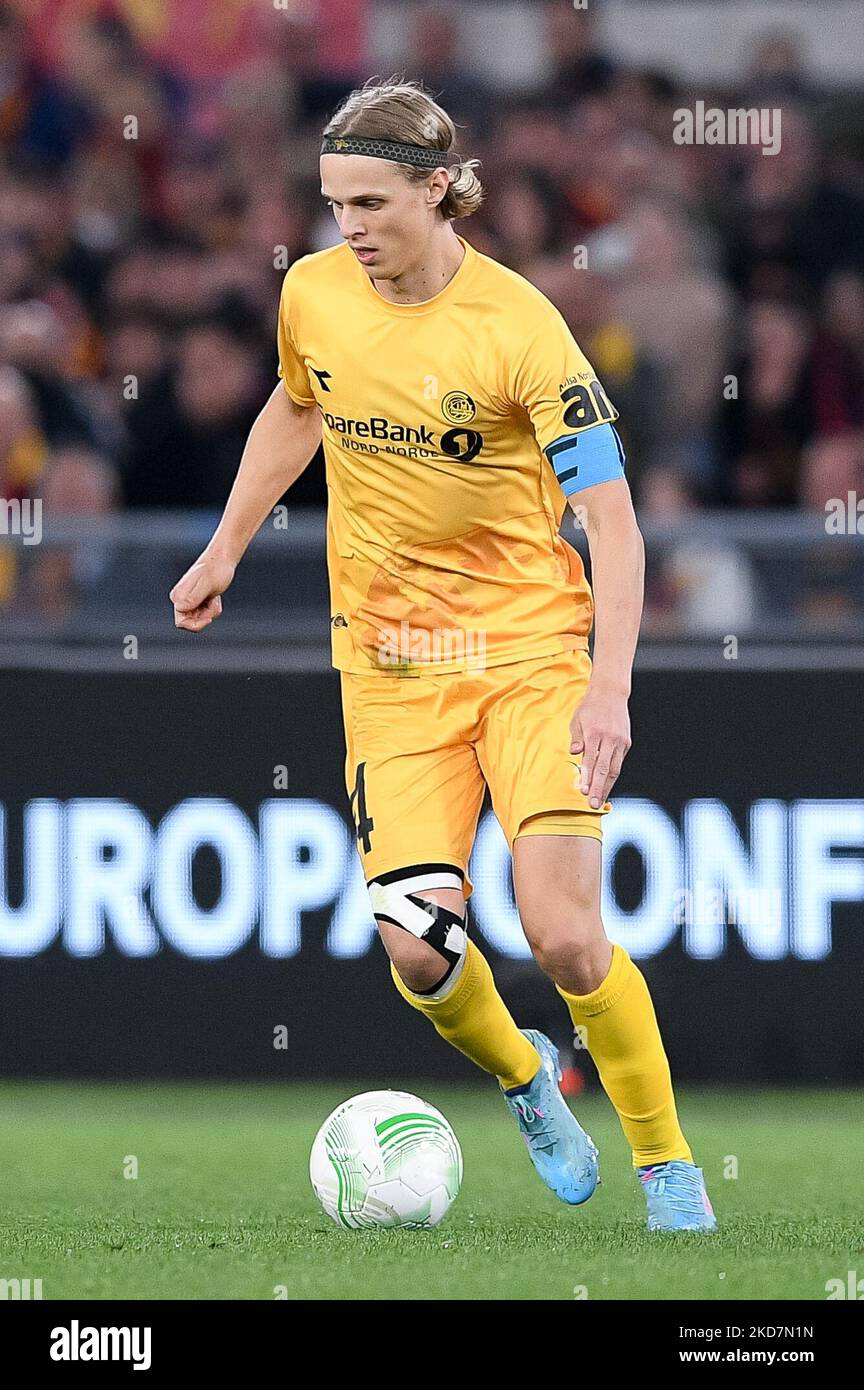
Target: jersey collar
426	306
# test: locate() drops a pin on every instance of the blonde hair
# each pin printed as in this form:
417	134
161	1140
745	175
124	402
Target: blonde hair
404	111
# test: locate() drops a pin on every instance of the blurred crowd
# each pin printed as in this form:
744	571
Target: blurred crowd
158	173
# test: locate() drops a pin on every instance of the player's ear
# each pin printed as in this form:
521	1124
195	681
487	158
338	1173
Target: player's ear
436	189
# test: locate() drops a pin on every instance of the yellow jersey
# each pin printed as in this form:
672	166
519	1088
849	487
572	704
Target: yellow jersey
445	428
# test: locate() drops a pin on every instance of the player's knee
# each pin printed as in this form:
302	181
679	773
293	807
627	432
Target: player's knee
422	928
560	956
418	965
561	932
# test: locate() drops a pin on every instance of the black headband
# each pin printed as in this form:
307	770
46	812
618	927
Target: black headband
394	150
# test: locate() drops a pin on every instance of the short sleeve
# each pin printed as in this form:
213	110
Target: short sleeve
553	381
292	368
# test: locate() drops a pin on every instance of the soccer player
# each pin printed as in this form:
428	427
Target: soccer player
458	418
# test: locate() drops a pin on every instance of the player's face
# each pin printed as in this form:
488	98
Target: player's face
383	217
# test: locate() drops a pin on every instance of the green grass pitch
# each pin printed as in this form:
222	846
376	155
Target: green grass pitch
222	1208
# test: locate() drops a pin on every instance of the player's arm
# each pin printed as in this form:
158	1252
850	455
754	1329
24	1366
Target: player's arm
573	420
281	443
600	728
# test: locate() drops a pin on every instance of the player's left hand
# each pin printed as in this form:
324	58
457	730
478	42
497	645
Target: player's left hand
600	731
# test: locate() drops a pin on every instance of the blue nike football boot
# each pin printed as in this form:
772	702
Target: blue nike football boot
676	1195
563	1154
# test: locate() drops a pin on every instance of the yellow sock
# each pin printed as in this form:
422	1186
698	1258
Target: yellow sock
475	1019
619	1028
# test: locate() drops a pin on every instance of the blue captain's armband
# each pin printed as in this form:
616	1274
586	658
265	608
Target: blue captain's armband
580	460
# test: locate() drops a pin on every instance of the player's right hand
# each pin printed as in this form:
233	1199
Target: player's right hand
196	596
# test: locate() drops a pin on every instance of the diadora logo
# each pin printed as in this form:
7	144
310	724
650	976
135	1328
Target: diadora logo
458	408
323	378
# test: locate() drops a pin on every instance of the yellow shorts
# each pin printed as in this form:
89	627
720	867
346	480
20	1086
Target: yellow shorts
421	748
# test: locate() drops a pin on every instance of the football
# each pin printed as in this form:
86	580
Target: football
386	1158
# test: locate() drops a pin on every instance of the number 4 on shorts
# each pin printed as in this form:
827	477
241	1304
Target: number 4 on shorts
365	824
